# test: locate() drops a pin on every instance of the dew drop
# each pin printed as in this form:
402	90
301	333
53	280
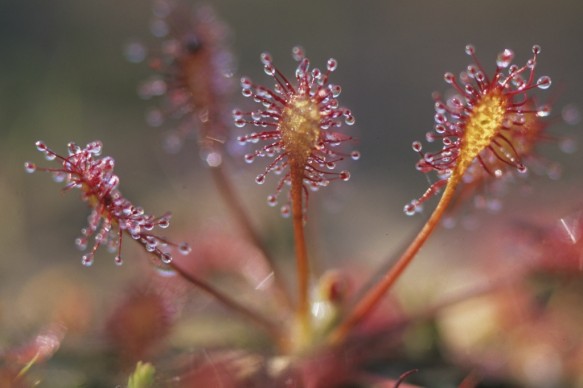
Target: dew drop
456	102
260	179
536	49
256	115
269	69
345	175
49	155
303	67
59	176
285	211
420	166
118	260
355	155
316	73
440	107
504	58
246	83
237	114
166	258
543	111
87	260
336	90
440	118
470	49
272	200
350	120
184	248
417	146
29	167
544	82
249	158
410	209
298	53
41	146
521	168
81	243
332	64
266	58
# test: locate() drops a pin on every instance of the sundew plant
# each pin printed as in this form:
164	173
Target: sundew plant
255	300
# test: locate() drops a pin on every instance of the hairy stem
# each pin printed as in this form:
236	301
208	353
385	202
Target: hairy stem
371	299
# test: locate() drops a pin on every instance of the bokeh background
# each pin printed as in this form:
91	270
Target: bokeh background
64	76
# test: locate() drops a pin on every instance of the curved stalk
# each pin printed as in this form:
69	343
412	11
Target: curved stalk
371	299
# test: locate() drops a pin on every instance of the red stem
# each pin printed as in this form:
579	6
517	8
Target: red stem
302	264
370	300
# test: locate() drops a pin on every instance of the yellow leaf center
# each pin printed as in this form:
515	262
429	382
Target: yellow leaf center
300	128
482	126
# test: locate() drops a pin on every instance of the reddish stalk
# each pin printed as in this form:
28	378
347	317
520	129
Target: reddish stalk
231	199
371	299
302	264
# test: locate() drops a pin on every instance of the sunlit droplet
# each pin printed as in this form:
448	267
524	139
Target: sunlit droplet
184	249
29	167
87	260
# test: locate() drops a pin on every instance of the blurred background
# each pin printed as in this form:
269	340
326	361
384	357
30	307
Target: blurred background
64	76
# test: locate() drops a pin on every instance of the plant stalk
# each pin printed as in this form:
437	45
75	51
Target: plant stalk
371	299
302	264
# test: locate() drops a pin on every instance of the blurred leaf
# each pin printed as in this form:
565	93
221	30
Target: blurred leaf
143	376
